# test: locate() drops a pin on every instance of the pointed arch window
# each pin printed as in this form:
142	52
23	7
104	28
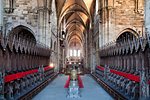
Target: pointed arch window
70	52
75	53
78	53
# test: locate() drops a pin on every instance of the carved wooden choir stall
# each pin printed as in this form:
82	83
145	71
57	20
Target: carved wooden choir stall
23	63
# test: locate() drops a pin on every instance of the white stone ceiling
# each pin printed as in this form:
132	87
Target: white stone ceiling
77	15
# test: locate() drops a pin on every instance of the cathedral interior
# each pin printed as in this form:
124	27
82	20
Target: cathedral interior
74	49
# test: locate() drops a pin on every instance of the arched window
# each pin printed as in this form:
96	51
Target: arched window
78	53
96	8
75	53
70	52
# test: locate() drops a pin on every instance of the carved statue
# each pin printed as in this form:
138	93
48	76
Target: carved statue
41	73
135	90
22	84
9	93
144	86
17	87
2	82
36	78
128	87
31	79
106	72
27	82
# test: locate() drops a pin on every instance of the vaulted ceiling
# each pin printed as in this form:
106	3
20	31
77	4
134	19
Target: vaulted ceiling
77	15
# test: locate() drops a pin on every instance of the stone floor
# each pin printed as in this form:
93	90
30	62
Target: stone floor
56	90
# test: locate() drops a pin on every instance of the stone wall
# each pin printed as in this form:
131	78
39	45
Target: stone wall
40	17
96	41
118	15
24	14
53	28
34	14
147	16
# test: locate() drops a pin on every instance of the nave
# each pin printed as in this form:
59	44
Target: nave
91	91
54	42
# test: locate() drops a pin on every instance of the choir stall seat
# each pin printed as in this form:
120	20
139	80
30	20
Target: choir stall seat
127	86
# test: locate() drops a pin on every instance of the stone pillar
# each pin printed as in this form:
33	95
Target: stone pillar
1	13
91	50
100	28
58	51
86	51
147	15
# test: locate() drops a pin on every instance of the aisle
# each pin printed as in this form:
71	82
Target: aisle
56	90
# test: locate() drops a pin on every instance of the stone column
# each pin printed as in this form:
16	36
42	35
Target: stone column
86	51
100	28
147	15
58	51
91	50
1	13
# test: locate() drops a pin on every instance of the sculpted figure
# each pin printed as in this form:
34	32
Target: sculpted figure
9	93
2	75
144	92
17	87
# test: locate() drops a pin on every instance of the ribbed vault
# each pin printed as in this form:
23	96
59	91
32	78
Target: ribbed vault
77	15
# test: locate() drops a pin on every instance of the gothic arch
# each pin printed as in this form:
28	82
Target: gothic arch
127	33
24	31
128	30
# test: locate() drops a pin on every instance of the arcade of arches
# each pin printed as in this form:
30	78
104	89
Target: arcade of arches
45	41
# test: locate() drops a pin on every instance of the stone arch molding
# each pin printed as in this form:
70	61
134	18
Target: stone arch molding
29	27
38	4
129	29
